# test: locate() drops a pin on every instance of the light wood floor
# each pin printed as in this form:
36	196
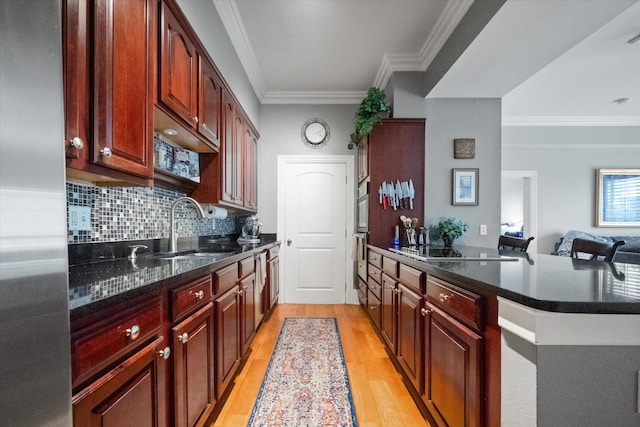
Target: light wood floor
379	395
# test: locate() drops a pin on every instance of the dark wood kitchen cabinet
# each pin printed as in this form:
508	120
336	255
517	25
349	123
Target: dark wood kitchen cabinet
389	314
273	277
395	151
129	395
193	353
453	362
363	159
227	317
190	88
247	283
250	181
109	81
410	344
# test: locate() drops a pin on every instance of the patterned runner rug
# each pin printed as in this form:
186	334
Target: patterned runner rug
306	383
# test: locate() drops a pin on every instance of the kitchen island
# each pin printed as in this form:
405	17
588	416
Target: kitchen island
555	341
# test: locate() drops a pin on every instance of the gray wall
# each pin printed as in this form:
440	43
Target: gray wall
280	135
204	18
448	119
566	159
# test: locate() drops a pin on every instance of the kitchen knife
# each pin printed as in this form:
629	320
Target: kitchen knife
380	194
399	195
392	196
405	194
383	187
412	193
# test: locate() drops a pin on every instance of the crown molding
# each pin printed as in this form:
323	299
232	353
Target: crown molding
571	121
314	97
447	22
230	16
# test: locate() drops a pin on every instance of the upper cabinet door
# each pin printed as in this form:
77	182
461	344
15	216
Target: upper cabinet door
178	69
210	102
124	35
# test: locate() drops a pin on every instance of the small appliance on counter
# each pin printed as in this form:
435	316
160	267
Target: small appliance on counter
251	230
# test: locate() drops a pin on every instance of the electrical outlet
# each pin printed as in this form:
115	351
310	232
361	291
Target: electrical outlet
483	229
79	218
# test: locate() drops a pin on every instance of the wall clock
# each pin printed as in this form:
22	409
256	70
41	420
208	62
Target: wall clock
315	133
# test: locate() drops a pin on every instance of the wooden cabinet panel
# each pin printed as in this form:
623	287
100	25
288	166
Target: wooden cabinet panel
410	335
246	267
95	347
250	170
374	258
363	159
129	395
453	370
375	288
414	279
390	267
178	69
238	158
225	278
209	102
462	304
228	150
110	51
248	315
193	368
375	273
274	281
227	339
190	296
374	308
388	325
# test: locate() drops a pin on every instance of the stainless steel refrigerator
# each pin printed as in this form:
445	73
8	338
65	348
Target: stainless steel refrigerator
35	380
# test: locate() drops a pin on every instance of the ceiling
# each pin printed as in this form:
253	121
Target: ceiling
550	61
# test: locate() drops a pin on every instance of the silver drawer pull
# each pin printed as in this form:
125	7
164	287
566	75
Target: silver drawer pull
425	311
165	353
105	152
443	297
77	142
183	338
199	294
133	332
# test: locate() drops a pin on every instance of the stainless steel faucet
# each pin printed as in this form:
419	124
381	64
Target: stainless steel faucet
173	243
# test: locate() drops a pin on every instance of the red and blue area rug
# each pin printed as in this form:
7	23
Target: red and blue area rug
306	383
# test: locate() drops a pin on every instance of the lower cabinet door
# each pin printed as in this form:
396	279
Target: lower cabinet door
410	346
193	370
453	364
227	315
248	317
389	312
129	395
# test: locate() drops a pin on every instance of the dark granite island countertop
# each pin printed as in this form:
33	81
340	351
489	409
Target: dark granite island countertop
98	285
543	282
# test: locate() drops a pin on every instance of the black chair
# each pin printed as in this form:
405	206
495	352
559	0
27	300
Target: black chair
594	249
510	243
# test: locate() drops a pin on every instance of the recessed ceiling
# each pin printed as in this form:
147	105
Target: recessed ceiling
543	57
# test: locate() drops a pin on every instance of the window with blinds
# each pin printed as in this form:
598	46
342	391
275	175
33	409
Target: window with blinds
618	197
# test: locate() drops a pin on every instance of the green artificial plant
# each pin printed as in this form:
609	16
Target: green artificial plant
449	229
371	110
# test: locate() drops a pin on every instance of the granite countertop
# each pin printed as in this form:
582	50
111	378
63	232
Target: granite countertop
544	282
94	285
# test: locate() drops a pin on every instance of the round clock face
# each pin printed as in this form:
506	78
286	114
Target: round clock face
315	133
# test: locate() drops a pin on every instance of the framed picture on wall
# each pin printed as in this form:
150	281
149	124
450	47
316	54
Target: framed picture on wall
618	198
465	187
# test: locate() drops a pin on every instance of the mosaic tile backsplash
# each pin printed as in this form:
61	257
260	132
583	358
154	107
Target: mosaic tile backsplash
137	213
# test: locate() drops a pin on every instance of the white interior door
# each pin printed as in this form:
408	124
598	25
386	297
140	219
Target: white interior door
314	217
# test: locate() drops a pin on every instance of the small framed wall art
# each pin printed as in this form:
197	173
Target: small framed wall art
464	148
465	187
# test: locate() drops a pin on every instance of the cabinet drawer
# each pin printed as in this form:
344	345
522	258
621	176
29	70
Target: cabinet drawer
190	296
373	308
362	269
374	258
362	285
274	251
247	266
362	298
412	278
461	304
390	266
225	278
376	288
95	347
375	273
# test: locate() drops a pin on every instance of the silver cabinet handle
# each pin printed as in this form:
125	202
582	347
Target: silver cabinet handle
443	297
240	291
132	332
203	125
165	353
77	142
195	119
288	242
425	311
183	338
199	294
106	152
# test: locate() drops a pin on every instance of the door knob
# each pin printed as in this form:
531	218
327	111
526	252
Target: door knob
288	242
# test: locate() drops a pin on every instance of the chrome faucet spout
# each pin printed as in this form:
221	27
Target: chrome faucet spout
173	243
